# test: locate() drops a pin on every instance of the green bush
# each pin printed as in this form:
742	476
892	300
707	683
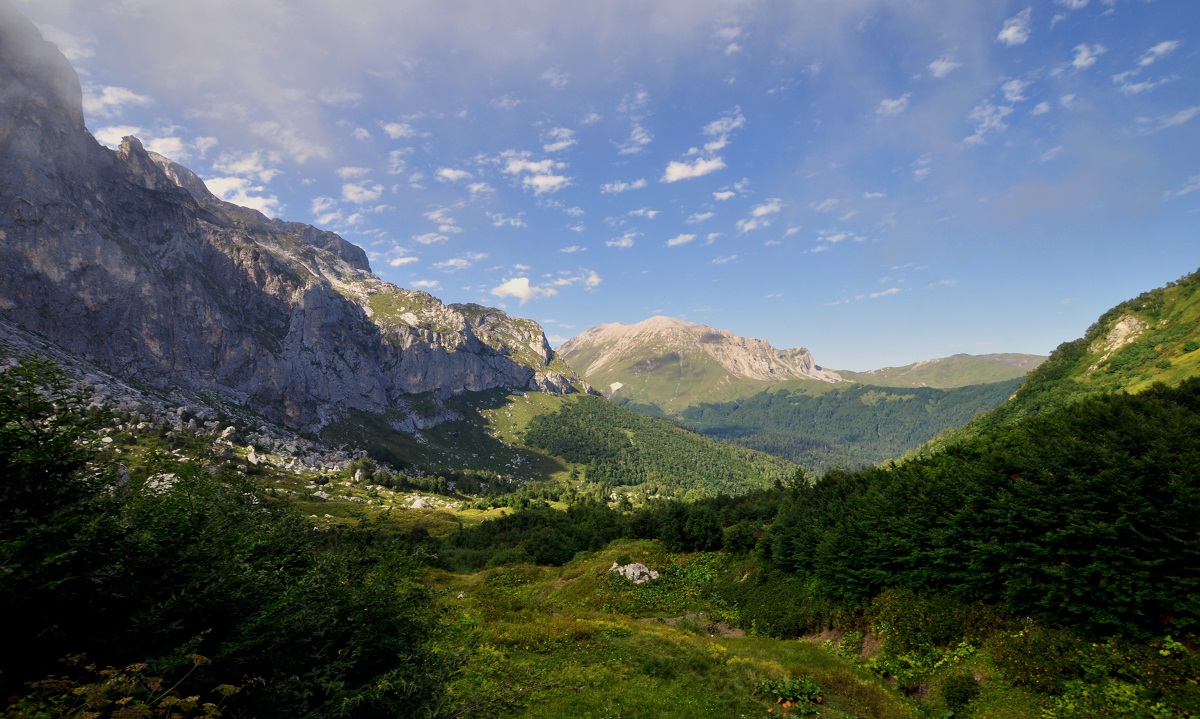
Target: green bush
959	690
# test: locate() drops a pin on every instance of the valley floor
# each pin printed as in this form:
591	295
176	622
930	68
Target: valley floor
582	641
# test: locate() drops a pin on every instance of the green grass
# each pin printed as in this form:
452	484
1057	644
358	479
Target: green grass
545	649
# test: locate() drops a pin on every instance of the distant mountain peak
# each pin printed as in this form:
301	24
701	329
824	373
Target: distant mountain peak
672	363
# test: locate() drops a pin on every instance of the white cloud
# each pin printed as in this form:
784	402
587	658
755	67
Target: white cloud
885	293
698	217
172	147
556	78
361	192
288	138
678	240
401	261
988	118
1136	88
888	108
639	137
73	47
541	184
719	130
1014	90
922	167
460	263
723	195
623	242
677	171
645	212
429	238
826	205
573	249
873	195
521	289
1086	55
500	220
560	139
399	130
507	102
1016	28
724	260
1053	153
251	164
396	162
1040	109
1072	4
1192	185
943	66
241	191
449	174
427	285
1151	125
112	101
621	186
1158	52
350	173
480	188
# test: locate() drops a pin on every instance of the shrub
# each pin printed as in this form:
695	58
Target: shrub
959	690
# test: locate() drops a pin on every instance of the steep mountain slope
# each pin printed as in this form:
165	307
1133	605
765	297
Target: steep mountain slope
674	364
127	261
1153	338
960	370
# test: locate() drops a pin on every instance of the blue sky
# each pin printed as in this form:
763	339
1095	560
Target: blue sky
881	181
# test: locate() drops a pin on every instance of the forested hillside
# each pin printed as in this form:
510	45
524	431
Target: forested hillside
847	427
620	448
1152	338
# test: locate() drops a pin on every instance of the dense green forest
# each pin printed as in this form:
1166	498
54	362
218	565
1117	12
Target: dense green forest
847	428
620	448
182	577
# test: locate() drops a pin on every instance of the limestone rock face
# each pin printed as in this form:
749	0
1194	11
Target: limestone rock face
126	260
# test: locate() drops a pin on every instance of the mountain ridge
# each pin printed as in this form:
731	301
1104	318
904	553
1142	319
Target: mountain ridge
125	259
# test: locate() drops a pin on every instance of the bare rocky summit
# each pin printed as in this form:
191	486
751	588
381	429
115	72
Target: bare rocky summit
126	260
673	364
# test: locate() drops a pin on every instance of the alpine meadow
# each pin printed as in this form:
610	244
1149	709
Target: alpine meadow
330	466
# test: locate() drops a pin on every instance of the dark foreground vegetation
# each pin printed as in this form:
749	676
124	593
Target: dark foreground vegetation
204	596
1064	548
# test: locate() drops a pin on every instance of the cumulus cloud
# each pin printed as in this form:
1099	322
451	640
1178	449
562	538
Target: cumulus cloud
1014	90
645	212
623	242
1086	55
556	78
639	137
698	217
500	220
537	175
402	260
449	174
677	171
290	141
723	195
988	118
719	130
249	164
573	249
1040	109
560	139
398	130
1016	28
521	289
893	107
621	186
430	238
241	191
885	293
759	216
111	101
678	240
460	263
943	66
361	193
427	285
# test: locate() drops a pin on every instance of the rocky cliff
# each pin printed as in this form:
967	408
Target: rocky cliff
127	261
674	364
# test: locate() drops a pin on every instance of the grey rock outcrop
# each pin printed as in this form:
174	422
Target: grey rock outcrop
126	260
